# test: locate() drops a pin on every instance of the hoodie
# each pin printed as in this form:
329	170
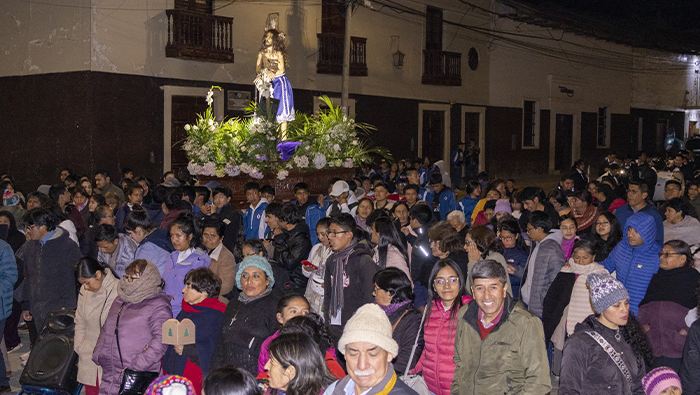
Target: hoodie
635	266
545	261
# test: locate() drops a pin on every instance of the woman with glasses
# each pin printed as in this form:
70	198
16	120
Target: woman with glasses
567	301
131	336
605	234
515	252
669	297
445	297
393	292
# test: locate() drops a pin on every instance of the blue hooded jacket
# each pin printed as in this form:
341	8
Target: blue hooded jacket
636	265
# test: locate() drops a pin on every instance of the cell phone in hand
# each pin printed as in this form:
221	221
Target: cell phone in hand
307	263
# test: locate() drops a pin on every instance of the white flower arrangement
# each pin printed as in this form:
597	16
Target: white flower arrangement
249	145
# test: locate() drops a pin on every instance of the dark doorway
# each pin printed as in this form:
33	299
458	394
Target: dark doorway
563	140
433	134
184	111
471	127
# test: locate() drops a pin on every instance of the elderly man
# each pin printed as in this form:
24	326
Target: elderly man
499	345
369	348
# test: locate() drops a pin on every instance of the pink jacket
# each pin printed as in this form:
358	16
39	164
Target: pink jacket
436	362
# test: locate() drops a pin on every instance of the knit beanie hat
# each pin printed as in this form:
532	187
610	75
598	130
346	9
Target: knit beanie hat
659	379
605	291
503	205
371	325
255	261
171	385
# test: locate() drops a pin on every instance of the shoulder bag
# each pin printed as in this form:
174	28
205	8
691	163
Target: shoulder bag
415	381
614	355
133	382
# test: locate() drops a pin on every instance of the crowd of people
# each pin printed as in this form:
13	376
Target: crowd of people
396	281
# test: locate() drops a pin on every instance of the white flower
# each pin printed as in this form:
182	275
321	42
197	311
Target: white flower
210	97
209	169
232	170
235	141
282	174
187	127
195	127
211	122
319	160
245	168
212	128
354	142
338	162
243	148
301	161
191	168
336	148
348	163
255	173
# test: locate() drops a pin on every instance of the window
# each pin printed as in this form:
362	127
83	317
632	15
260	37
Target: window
603	139
531	124
433	28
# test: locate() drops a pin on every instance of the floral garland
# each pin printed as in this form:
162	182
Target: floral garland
250	145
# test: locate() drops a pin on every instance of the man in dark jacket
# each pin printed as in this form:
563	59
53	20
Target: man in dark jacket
232	217
422	259
348	280
293	245
534	199
49	258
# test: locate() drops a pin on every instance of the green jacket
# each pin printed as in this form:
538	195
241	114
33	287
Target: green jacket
511	360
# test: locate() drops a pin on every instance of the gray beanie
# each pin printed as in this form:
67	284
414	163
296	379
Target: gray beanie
605	291
371	325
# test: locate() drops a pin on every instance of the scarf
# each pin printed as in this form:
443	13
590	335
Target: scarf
673	285
568	245
337	267
580	304
245	299
384	387
212	303
390	309
687	230
149	284
588	217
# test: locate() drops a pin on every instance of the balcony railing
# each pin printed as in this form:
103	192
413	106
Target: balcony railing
442	68
197	36
330	55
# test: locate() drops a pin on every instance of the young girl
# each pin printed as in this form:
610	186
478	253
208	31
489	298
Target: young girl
568	227
316	271
288	307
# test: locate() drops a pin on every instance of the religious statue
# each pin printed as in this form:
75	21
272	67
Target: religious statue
271	81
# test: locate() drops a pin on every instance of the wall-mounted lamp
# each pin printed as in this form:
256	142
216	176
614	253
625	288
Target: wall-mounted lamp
398	59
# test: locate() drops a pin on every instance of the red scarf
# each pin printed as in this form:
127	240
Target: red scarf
213	303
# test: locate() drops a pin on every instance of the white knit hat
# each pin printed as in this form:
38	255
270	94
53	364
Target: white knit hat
369	324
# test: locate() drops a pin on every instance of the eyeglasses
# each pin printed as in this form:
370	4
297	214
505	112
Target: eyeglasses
334	234
530	229
666	254
443	281
507	238
467	242
602	224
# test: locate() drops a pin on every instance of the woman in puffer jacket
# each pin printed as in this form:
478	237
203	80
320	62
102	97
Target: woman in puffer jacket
141	307
446	296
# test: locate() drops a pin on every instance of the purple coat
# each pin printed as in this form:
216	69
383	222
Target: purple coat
139	337
174	275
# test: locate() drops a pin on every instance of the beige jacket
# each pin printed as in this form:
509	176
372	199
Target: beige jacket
90	315
223	264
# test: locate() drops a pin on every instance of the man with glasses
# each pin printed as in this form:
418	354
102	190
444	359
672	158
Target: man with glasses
348	280
544	263
637	194
49	257
672	190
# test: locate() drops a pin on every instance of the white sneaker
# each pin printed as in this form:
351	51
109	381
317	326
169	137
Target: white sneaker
24	356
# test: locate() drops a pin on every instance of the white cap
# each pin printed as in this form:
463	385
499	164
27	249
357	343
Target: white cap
339	188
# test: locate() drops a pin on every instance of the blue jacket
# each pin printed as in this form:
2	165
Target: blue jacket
636	265
466	205
8	278
252	220
447	202
625	212
313	214
156	248
426	194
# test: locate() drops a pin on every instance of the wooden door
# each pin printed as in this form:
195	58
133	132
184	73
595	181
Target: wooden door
433	134
564	140
184	111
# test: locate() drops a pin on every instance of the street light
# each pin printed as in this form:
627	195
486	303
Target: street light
398	59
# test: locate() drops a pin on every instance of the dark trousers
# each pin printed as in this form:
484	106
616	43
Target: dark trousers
11	333
4	380
456	177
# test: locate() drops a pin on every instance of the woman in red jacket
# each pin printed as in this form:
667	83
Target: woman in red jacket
447	294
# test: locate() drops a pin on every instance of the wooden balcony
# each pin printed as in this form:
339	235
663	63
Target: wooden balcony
330	55
442	68
199	36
